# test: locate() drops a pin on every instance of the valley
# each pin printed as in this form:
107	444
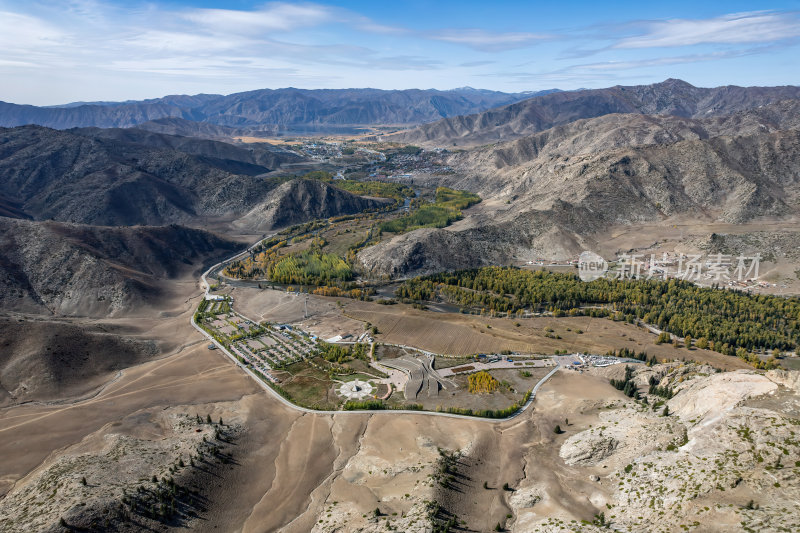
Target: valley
216	318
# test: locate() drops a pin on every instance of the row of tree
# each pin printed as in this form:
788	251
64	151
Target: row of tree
725	319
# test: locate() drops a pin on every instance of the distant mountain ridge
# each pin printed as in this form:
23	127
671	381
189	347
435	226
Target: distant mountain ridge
269	108
670	97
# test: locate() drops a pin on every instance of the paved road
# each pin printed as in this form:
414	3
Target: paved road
204	283
500	365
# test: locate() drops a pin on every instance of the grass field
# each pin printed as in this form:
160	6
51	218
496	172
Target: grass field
445	210
309	387
456	334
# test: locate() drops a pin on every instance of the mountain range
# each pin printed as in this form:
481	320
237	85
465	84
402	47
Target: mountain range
671	97
558	188
270	110
560	168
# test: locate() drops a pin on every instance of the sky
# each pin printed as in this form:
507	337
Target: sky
86	50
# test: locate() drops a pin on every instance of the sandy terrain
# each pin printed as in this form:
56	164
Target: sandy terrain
290	468
295	473
457	334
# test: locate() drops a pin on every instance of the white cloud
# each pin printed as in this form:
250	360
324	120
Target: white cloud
489	41
19	31
752	27
662	61
178	41
196	67
274	17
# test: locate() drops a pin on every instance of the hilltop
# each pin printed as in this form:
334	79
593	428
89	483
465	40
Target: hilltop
130	177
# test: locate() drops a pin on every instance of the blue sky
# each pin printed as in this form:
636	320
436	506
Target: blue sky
56	52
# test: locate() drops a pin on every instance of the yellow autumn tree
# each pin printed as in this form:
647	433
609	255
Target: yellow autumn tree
482	382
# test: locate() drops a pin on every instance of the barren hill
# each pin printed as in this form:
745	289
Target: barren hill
671	97
128	177
190	128
70	177
251	159
555	189
49	359
73	269
302	200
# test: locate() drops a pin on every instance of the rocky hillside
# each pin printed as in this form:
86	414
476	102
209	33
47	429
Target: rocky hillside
251	159
671	97
302	200
64	176
553	190
101	116
430	250
268	109
70	269
190	128
616	131
723	456
348	106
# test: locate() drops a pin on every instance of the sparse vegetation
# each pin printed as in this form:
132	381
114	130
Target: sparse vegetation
443	212
381	189
733	322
